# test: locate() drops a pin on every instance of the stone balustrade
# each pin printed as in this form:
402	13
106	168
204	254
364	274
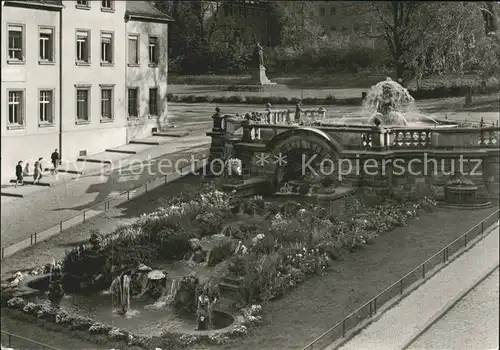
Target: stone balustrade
263	126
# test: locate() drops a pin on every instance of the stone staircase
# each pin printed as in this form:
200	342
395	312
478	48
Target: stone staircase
230	288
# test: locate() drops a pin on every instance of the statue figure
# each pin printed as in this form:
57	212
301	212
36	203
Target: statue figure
259	54
56	291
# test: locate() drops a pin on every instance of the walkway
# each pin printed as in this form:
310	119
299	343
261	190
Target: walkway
48	206
471	324
398	325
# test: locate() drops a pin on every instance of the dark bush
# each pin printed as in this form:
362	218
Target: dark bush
220	253
174	247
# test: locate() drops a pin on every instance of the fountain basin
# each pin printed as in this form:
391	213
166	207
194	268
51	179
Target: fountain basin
463	195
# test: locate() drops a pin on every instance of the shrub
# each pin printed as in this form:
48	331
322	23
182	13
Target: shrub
220	253
174	247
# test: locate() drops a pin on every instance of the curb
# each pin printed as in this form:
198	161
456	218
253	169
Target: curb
444	310
410	289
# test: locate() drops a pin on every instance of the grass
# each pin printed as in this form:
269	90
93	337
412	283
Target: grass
321	302
290	322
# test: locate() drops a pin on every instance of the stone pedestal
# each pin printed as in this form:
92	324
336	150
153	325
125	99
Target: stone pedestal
259	76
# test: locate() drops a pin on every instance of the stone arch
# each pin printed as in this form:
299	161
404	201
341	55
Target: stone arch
294	153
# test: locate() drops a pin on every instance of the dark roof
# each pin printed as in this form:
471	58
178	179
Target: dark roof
146	10
50	3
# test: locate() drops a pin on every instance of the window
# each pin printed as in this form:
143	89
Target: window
83	46
82	3
15	43
106	103
16	110
133	49
107	48
82	104
153	50
333	10
153	102
322	11
333	28
133	103
106	5
46	44
46	107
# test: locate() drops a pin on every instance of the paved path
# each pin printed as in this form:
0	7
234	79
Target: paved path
48	206
472	323
399	324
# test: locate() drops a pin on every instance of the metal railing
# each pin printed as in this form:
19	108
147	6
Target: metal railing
370	308
98	208
18	342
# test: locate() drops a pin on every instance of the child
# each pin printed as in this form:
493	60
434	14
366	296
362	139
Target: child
19	173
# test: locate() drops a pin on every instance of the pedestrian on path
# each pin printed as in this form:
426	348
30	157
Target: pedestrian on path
19	173
55	160
37	175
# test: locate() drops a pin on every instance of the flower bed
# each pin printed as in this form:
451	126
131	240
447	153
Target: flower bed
270	247
45	312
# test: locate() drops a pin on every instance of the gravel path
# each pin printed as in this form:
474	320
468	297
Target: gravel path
400	323
473	322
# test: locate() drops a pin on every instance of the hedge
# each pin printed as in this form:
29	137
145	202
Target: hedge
438	92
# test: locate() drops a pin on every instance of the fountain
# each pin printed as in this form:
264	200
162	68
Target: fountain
462	193
393	105
120	290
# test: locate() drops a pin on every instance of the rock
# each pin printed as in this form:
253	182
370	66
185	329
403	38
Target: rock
218	339
31	308
199	257
118	334
62	318
80	323
99	328
239	330
46	312
16	303
195	243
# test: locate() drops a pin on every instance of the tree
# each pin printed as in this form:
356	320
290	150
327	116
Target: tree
299	22
430	37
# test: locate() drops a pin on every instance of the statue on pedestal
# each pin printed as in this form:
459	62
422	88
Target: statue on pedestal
259	74
259	54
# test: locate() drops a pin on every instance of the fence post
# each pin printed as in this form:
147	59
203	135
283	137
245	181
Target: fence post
465	236
84	215
10	341
343	328
371	311
31	239
3	252
36	236
401	287
444	255
482	227
60	226
375	305
145	187
165	178
128	195
423	270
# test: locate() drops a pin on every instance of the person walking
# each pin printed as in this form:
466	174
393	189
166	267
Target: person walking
19	173
37	174
55	160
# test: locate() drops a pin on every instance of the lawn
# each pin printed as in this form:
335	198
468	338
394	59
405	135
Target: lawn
307	311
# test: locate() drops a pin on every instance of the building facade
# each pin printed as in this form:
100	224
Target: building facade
65	77
147	70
